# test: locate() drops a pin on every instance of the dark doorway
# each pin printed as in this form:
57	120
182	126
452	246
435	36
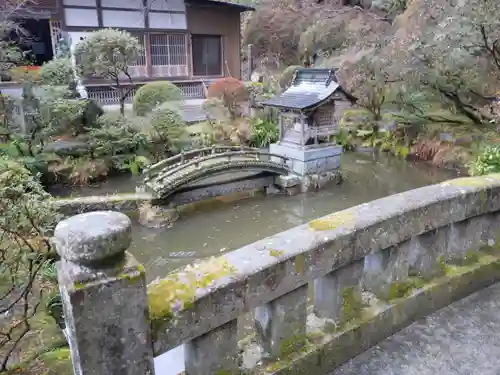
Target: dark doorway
35	40
207	55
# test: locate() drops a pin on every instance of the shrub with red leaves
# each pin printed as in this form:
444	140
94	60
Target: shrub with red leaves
231	91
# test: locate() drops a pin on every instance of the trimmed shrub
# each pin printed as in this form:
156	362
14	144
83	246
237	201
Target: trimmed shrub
116	134
169	128
228	89
70	115
91	113
25	73
57	72
287	76
153	94
231	91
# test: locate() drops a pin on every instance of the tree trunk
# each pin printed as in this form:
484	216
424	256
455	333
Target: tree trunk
122	106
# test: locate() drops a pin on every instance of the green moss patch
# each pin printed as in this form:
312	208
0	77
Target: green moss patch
352	305
479	181
53	362
321	354
344	219
276	253
404	288
178	290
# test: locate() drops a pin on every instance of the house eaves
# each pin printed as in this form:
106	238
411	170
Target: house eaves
221	4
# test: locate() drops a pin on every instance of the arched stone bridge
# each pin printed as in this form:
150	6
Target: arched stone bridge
213	164
304	301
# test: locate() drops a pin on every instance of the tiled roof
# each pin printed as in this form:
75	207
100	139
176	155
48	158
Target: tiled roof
309	88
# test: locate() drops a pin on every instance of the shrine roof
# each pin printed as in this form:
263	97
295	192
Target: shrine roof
310	87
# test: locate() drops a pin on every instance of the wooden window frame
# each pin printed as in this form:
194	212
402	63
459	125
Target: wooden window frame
221	38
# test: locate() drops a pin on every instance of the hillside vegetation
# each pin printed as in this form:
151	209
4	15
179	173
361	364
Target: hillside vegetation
429	65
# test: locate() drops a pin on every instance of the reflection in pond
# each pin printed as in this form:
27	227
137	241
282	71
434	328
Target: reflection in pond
211	232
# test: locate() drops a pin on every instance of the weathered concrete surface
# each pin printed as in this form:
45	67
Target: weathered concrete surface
116	202
461	339
98	279
277	265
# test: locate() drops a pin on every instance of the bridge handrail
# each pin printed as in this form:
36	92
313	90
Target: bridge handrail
183	156
412	233
340	240
164	189
227	154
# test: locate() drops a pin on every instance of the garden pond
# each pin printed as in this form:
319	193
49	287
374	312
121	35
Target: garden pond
207	232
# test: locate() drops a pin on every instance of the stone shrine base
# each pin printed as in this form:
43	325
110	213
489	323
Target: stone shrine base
312	167
294	184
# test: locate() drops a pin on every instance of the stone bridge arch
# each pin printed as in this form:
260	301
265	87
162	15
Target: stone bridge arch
165	178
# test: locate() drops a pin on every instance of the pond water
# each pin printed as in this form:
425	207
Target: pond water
217	230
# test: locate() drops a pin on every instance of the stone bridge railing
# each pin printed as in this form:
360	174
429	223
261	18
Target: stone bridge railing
192	155
317	294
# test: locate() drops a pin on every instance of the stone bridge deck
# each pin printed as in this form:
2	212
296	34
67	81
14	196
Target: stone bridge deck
461	339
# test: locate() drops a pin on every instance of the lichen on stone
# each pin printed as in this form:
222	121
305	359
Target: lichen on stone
292	344
300	261
404	288
179	290
478	181
276	253
344	218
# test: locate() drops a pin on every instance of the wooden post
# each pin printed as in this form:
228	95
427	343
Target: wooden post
302	130
280	127
147	54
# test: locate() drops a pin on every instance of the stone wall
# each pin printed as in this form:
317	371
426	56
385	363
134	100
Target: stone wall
371	270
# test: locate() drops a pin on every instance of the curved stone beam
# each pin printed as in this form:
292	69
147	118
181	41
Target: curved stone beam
166	188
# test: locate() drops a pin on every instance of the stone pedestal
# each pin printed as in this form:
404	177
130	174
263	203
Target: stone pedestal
312	166
103	291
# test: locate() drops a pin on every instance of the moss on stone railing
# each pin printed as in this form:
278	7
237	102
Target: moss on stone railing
320	293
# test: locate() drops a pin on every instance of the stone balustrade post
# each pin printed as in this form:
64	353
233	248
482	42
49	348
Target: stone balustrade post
103	290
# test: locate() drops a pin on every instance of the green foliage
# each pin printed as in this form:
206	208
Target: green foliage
50	93
486	162
458	59
116	135
344	139
57	72
324	35
287	76
107	54
263	132
65	115
25	227
153	94
371	85
118	142
169	127
393	7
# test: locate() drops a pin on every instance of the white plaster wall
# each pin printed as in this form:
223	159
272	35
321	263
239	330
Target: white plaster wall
80	2
117	18
128	4
168	21
166	5
81	17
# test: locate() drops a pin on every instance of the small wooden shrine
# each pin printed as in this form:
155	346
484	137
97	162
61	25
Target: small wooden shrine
311	108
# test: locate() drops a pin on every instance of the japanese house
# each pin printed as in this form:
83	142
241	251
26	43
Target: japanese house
189	42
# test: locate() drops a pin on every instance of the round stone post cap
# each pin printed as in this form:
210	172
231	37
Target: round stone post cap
93	237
